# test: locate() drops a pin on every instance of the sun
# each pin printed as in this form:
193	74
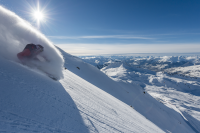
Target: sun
38	15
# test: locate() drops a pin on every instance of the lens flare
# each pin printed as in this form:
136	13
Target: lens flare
38	15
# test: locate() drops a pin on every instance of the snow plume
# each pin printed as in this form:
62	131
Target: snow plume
15	33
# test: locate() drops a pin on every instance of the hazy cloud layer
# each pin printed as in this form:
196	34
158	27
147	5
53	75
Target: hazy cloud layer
102	37
97	49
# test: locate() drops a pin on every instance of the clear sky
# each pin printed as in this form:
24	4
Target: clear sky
85	27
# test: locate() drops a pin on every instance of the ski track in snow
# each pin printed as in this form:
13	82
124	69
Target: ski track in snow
31	102
98	112
131	94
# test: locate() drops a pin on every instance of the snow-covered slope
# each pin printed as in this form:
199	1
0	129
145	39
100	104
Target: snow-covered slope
32	102
81	102
174	81
132	94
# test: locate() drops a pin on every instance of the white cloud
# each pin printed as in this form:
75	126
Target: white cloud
95	49
102	37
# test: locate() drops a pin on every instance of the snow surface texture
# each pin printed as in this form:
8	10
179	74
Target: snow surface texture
16	33
132	94
174	81
31	102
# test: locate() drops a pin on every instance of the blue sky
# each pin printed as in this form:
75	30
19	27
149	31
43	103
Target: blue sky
87	27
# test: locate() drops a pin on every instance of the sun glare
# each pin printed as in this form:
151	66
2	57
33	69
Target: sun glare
38	15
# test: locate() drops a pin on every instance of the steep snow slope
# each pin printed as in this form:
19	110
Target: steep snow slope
132	94
32	102
101	112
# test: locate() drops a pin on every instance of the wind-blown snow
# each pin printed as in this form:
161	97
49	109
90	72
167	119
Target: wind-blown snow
15	33
31	102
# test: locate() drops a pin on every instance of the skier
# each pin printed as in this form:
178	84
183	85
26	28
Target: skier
30	52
